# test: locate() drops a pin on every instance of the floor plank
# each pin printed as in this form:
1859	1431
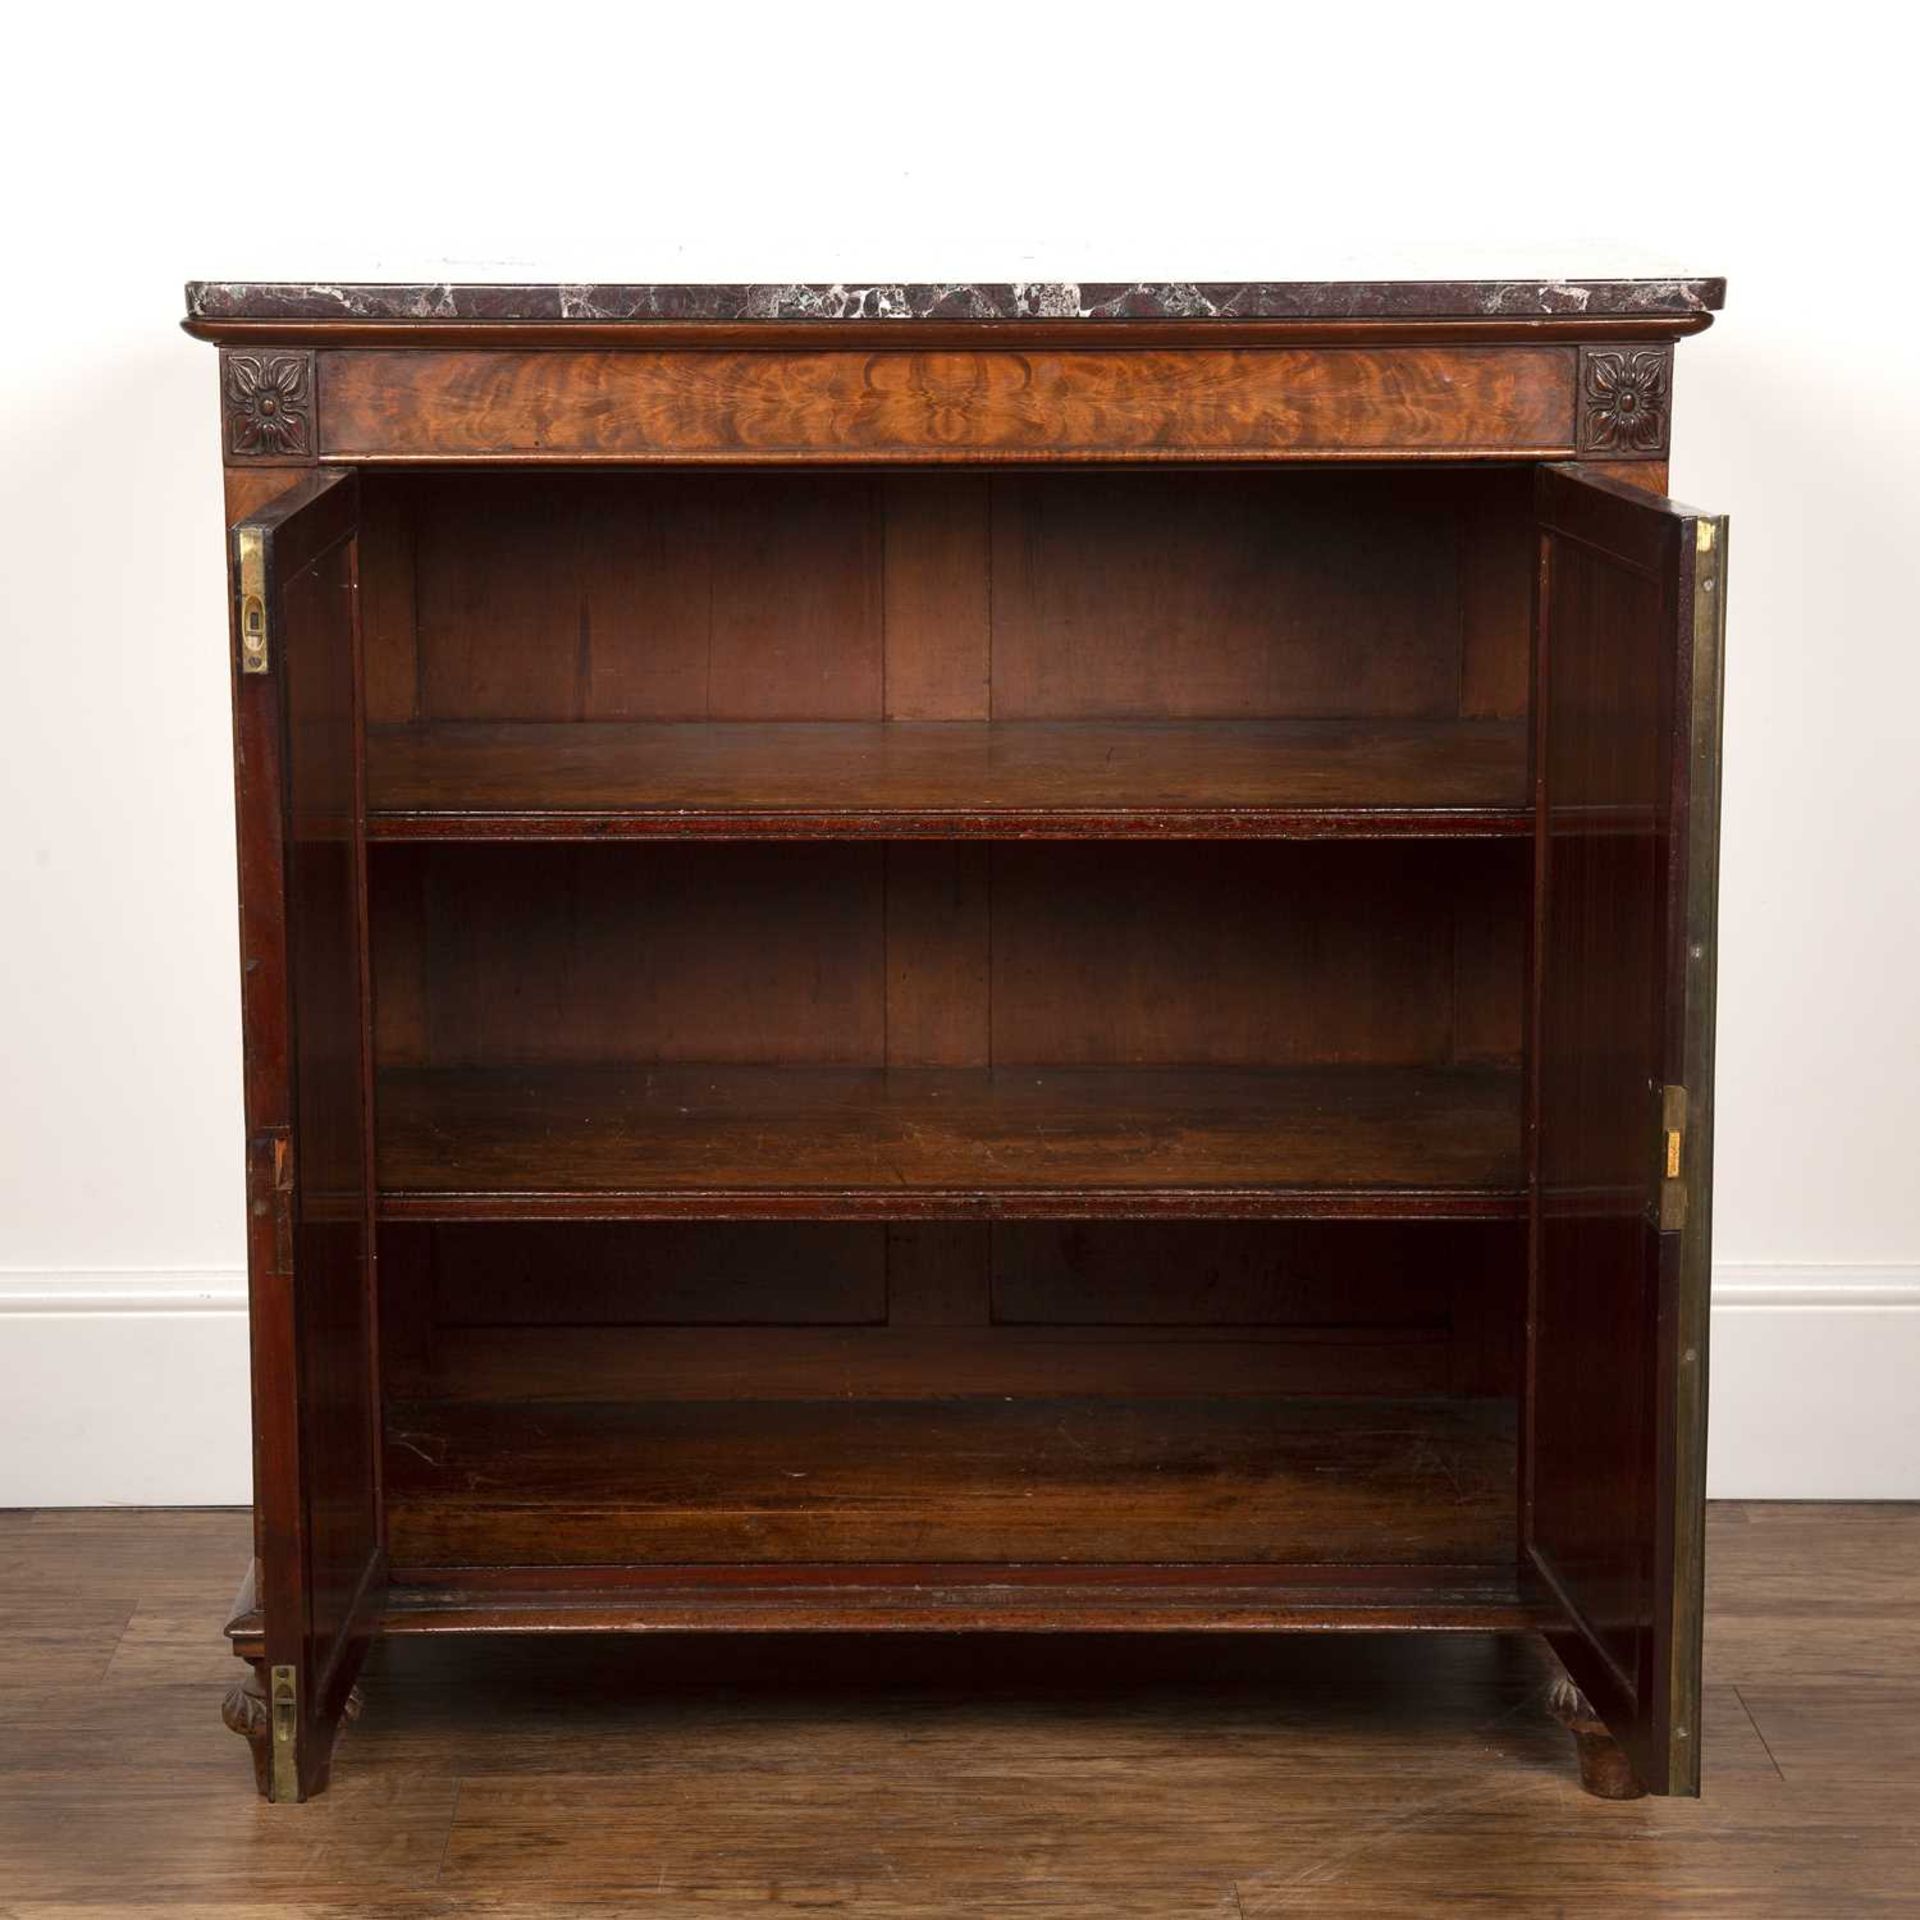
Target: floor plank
1183	1779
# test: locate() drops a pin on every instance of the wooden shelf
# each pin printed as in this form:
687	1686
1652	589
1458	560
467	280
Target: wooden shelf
922	1599
1092	1480
1302	779
831	1143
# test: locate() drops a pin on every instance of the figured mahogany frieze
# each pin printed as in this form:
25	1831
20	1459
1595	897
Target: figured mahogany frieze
266	405
768	407
1626	401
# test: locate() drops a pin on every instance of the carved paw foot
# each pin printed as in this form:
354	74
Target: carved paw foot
1605	1770
245	1711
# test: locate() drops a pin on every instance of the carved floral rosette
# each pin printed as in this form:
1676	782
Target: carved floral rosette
267	400
1625	400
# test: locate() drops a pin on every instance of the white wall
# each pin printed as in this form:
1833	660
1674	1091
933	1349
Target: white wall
1017	142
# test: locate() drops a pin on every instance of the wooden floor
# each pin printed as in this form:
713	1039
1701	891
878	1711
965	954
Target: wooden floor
1358	1776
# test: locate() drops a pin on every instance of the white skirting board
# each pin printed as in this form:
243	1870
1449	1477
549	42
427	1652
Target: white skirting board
124	1389
130	1389
1814	1384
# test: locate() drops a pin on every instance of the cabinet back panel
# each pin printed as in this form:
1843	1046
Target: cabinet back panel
1146	954
591	955
1208	596
590	1311
659	599
1244	954
661	596
652	1393
1010	1274
1058	1479
662	1273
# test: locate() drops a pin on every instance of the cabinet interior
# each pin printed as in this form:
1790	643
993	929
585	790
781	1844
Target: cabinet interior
951	1018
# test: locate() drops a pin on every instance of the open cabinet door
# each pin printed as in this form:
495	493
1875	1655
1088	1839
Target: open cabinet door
305	1006
1627	712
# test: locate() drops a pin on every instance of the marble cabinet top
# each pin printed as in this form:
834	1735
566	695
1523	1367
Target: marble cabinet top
1023	301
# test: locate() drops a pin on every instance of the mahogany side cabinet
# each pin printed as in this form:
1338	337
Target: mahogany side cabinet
954	957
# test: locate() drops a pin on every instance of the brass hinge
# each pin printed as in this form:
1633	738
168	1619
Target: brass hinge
251	546
283	1776
1673	1136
